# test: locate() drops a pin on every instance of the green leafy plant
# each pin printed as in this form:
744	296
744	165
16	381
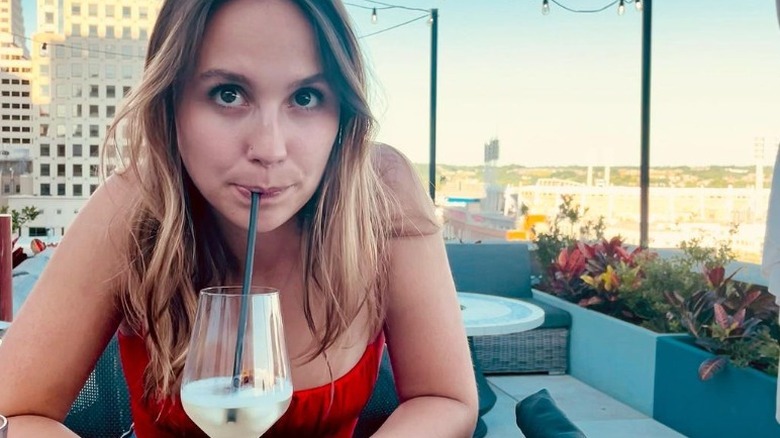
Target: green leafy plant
19	218
687	292
734	321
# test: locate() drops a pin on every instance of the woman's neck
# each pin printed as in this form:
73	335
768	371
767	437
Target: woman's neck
276	252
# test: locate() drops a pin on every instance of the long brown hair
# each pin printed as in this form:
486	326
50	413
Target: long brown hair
172	255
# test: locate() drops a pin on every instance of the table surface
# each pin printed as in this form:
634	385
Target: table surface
493	315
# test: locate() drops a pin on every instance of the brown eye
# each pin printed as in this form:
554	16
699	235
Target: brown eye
227	95
307	98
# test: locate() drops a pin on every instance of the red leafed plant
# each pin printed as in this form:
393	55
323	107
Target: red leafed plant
732	320
593	275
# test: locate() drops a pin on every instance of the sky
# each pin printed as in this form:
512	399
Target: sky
564	88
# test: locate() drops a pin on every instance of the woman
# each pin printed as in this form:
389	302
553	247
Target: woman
241	96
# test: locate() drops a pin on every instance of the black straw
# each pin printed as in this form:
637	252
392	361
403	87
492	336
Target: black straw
248	266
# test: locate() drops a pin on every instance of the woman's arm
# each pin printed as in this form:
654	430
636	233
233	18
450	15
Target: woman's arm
424	328
427	345
67	320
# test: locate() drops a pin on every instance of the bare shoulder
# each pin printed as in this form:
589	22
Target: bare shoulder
413	212
392	166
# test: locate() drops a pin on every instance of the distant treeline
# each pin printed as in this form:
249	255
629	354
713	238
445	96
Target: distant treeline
676	176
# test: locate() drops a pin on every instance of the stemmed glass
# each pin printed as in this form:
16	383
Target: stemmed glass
227	404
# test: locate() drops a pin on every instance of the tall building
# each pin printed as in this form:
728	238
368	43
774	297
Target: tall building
86	56
16	124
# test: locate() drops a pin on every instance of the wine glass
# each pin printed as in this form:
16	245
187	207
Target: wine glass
244	404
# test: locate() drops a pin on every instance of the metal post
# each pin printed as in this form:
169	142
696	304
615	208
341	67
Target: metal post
6	265
434	44
644	168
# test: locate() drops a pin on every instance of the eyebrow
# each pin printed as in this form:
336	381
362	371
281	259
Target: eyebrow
237	77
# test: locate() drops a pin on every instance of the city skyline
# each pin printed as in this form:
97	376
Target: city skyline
563	88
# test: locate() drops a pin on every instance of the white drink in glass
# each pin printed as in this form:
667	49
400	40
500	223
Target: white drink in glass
255	409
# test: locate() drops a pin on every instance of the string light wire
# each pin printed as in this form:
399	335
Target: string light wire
592	11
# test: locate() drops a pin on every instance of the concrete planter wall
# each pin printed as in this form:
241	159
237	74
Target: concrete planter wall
611	355
737	402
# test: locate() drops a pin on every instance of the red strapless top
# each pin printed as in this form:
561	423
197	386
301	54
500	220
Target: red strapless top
304	418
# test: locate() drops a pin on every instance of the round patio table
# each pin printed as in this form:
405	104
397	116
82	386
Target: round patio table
485	315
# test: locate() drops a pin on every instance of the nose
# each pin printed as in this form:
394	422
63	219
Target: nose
267	143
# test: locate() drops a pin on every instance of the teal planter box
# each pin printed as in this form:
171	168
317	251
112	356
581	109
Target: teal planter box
611	355
736	402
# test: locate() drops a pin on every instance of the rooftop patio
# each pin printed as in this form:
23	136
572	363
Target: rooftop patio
594	412
606	381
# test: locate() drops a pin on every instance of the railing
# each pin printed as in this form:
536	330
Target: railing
6	265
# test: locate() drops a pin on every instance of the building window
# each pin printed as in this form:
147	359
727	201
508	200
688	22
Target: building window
94	90
38	231
60	150
77	190
76	148
127	71
60	130
77	132
94	111
75	9
110	110
94	131
110	32
46	189
62	110
77	90
109	10
60	170
93	10
92	188
94	150
77	170
61	189
125	91
126	12
45	149
93	170
75	29
126	32
110	89
45	169
77	110
44	129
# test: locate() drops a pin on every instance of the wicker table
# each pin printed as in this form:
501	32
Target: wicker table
492	315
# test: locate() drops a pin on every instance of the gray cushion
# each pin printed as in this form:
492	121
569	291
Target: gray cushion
502	269
539	417
553	316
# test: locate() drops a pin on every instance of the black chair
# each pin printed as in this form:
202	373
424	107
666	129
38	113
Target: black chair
383	401
102	408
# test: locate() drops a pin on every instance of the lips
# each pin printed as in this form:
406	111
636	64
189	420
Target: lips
265	192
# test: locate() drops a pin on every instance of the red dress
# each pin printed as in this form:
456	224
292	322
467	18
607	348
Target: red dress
304	418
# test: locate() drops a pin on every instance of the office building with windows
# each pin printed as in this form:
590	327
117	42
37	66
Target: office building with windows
86	57
16	124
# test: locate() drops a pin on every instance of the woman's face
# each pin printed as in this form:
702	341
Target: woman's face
257	114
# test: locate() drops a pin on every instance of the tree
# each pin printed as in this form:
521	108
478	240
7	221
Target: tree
19	218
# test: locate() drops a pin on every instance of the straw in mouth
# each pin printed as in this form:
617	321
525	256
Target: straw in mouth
246	285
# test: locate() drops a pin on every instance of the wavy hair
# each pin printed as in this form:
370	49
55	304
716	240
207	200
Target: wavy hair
173	249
